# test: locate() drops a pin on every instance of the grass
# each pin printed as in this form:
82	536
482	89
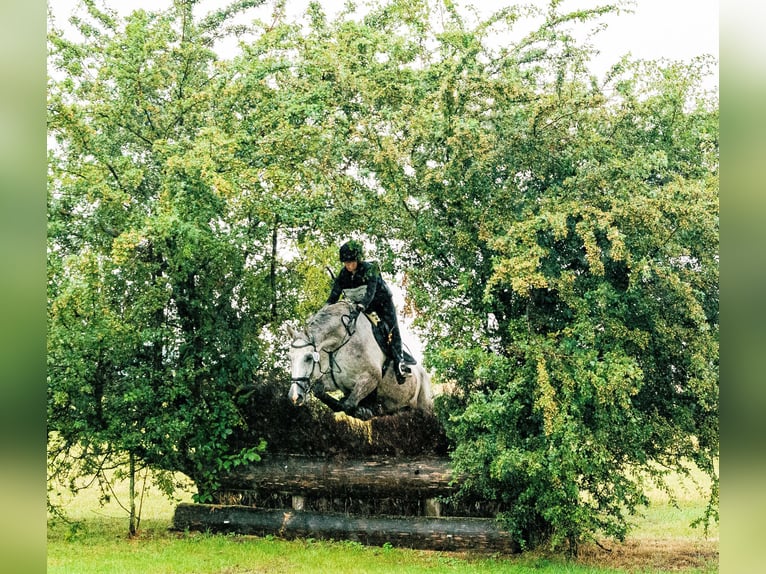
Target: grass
96	541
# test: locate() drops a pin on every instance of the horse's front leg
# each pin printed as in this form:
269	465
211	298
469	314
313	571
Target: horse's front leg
320	392
363	388
329	400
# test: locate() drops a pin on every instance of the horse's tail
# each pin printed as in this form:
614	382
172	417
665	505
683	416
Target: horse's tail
425	400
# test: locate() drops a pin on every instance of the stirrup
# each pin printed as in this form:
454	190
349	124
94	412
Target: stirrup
403	369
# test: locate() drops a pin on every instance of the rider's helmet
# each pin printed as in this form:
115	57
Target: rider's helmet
351	251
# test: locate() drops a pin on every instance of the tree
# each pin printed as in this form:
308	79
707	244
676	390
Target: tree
558	234
153	311
563	253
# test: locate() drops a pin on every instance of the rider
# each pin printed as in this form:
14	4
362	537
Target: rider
377	297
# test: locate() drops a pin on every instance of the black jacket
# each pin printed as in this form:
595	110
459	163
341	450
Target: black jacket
378	295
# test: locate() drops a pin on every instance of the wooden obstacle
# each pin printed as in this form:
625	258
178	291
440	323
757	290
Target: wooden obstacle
406	477
297	478
409	532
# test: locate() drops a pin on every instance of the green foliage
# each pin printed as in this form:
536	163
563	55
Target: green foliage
565	260
558	234
208	482
154	302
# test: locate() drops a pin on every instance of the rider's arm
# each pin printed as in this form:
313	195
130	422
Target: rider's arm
372	274
335	291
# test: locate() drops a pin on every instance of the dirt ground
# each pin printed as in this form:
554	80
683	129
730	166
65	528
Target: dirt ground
651	554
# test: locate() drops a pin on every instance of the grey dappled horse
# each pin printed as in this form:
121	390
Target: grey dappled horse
339	350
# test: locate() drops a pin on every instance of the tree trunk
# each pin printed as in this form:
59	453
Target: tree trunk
273	268
450	534
132	494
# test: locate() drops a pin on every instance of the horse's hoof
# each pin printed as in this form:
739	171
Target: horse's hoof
363	413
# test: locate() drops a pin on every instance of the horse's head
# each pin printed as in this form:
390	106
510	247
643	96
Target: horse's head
304	361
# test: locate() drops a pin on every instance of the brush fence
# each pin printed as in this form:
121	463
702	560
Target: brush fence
372	501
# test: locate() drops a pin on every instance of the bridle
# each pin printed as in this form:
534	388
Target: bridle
304	383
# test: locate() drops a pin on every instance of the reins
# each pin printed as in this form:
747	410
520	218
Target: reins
349	323
304	383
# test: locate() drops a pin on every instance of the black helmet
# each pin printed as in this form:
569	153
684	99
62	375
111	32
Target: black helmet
351	251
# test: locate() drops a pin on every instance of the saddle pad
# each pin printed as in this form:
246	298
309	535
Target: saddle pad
356	294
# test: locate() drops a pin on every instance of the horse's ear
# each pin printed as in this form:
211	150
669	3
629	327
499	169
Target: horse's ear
290	331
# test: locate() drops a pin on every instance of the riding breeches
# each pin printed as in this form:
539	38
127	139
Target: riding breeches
387	313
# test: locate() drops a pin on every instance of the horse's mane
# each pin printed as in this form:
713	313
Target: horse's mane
327	315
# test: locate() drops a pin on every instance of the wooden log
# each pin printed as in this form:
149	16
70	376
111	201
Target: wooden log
448	534
423	477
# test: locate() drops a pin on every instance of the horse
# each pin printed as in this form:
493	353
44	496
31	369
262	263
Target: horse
337	350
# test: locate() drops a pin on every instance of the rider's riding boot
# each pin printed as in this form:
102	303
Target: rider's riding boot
400	367
401	372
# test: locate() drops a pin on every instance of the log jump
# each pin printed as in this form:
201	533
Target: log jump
421	477
295	480
448	534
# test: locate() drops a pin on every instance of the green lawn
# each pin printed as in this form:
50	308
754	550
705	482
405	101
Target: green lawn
97	542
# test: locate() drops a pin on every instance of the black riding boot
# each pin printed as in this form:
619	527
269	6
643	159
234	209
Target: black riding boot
400	368
388	314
